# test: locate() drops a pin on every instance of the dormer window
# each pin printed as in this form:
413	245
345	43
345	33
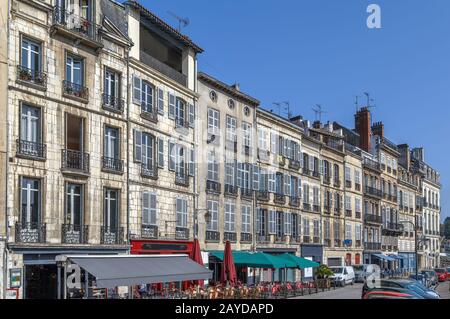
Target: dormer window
213	96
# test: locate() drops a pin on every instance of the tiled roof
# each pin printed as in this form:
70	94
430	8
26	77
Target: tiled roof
164	26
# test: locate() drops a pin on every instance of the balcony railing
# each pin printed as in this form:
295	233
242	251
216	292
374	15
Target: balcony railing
75	160
76	24
30	232
280	199
316	208
112	164
262	195
306	239
357	243
262	239
246	238
372	218
111	236
357	186
181	233
373	191
149	231
327	242
163	68
149	171
315	174
388	143
31	149
368	163
74	234
230	190
280	239
182	179
246	192
32	76
76	90
294	164
149	116
348	213
337	211
357	215
372	246
307	207
348	184
212	186
212	236
247	150
337	242
316	240
232	237
113	103
294	201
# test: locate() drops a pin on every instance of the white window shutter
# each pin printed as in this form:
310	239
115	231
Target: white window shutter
172	156
192	162
160	152
171	105
160	101
137	146
256	173
191	115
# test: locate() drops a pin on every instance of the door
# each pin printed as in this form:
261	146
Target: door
74	207
74	133
111	213
30	202
40	282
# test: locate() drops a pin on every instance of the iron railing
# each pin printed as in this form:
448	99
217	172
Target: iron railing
149	171
246	238
232	237
76	90
149	231
74	234
368	163
246	192
372	218
113	103
111	236
212	236
372	246
30	232
76	24
112	164
294	164
212	186
75	160
36	77
181	233
31	149
230	189
373	191
181	179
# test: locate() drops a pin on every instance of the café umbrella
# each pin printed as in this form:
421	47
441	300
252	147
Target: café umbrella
228	273
197	257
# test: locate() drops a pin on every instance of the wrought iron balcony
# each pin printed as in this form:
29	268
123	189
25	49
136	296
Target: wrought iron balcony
373	191
75	90
262	195
247	150
181	233
230	190
307	207
182	179
348	213
30	232
232	237
357	243
294	164
316	239
315	174
149	231
295	239
75	161
337	183
372	218
184	124
262	239
31	149
348	184
246	238
111	236
316	208
357	215
280	199
76	27
150	116
35	77
294	201
306	239
372	246
74	234
371	164
213	186
327	242
357	186
306	171
113	103
337	211
246	192
327	209
149	171
112	164
212	236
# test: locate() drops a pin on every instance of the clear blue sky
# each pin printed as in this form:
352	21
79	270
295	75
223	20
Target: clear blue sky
321	52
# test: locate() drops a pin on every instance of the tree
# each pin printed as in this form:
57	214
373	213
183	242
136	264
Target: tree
446	228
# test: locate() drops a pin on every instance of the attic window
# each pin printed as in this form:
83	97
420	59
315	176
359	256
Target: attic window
246	111
231	104
213	96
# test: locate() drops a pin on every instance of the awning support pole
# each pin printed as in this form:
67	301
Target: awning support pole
86	284
64	283
59	282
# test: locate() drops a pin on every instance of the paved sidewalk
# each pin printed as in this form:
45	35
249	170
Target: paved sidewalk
443	290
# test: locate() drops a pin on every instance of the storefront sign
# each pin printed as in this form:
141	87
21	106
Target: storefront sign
15	278
308	271
12	293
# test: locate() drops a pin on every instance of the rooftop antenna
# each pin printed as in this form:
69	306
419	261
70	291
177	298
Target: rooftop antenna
319	111
279	106
182	22
369	100
287	108
357	102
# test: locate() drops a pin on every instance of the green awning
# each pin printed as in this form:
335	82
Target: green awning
257	259
301	263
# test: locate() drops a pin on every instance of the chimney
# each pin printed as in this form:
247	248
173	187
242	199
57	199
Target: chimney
316	124
405	155
236	86
378	129
297	120
418	153
362	127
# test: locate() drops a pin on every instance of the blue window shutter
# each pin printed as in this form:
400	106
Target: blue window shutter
160	101
192	162
137	90
160	152
171	156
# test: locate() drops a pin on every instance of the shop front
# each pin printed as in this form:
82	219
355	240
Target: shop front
313	253
279	275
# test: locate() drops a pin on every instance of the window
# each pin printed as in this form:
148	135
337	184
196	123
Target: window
262	139
295	225
30	60
231	104
337	230
30	125
327	230
316	195
293	187
182	213
231	129
336	172
246	134
229	217
348	231
213	167
246	111
272	181
279	224
337	201
244	177
255	177
288	223
111	143
74	70
305	193
357	232
263	179
305	161
316	228
287	184
279	184
357	177
30	202
246	219
230	172
180	112
305	226
148	208
177	159
111	87
261	222
213	210
111	210
358	205
74	204
348	202
144	149
213	96
348	174
272	222
213	121
147	97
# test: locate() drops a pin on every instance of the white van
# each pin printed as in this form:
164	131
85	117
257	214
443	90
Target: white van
362	271
343	275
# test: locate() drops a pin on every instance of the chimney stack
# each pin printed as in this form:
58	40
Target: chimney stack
297	120
316	124
236	86
418	153
405	155
378	129
362	127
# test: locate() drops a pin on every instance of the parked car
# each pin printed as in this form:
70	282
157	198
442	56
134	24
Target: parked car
430	277
343	275
448	272
441	273
362	271
386	293
413	286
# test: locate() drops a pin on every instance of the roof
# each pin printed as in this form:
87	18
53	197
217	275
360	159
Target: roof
227	88
164	26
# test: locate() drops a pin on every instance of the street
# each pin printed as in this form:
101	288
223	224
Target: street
354	292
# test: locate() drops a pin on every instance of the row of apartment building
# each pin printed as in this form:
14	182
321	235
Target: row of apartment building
113	142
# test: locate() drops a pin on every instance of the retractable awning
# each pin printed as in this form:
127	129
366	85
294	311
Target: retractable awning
381	256
125	270
397	257
256	259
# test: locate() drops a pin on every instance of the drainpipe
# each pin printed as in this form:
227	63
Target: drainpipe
128	143
194	137
255	197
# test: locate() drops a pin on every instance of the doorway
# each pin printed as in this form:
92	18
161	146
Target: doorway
40	282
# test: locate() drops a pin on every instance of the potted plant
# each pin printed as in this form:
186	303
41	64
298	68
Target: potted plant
25	75
322	275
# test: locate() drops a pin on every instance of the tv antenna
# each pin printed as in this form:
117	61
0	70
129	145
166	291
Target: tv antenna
279	106
318	111
357	102
182	22
369	101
